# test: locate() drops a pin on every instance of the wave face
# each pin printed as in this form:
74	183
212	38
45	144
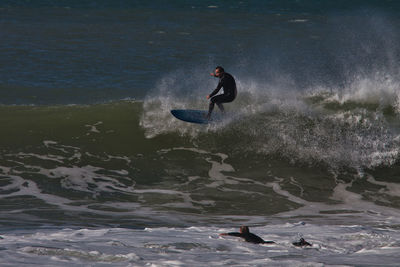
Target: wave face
104	158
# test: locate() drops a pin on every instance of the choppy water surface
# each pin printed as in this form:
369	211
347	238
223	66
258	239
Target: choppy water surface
94	170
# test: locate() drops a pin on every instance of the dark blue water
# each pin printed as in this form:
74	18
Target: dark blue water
63	52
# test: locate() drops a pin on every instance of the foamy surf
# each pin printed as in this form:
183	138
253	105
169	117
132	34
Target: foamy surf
331	245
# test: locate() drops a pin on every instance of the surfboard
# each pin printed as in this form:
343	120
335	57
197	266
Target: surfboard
192	115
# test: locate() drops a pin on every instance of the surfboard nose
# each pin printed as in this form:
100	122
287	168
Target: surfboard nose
191	115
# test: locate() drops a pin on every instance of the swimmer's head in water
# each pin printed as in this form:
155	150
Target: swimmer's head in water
244	230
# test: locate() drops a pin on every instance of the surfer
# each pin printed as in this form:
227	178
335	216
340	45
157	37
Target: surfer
248	237
227	82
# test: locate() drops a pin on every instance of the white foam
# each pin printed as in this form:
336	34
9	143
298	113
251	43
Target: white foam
68	150
93	128
201	246
348	200
298	20
5	170
392	189
74	254
50	157
288	123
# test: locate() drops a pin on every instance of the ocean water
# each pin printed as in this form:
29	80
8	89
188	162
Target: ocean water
95	171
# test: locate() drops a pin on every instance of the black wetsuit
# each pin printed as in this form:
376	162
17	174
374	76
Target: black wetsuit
252	238
227	82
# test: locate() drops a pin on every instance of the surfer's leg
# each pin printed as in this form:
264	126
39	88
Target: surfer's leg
219	99
210	109
214	100
221	107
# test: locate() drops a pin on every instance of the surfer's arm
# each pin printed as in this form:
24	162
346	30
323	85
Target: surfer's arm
232	234
216	89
